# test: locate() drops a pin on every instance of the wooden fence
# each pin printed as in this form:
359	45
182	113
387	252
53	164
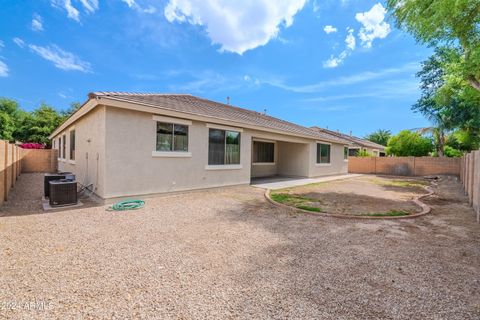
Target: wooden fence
470	176
15	160
404	166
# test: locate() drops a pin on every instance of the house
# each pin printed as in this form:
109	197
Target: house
374	149
125	144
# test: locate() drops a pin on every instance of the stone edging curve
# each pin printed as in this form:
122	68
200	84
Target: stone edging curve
425	208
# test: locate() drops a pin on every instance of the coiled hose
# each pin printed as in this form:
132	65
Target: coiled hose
127	205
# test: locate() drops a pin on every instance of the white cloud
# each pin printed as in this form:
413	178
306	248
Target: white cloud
329	29
315	6
237	26
72	12
3	69
61	59
19	42
334	62
350	44
408	68
134	5
2	45
37	23
350	39
373	24
90	5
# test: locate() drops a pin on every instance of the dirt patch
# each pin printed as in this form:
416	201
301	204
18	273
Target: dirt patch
365	195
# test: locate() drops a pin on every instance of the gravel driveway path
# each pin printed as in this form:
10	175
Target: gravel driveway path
228	254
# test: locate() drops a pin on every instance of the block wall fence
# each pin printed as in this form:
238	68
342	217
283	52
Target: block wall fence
404	166
470	177
15	160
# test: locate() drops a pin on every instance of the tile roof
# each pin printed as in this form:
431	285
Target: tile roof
189	104
354	140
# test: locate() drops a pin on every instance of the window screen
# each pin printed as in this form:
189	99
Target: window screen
263	152
323	153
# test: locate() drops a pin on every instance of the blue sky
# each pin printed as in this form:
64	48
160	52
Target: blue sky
336	64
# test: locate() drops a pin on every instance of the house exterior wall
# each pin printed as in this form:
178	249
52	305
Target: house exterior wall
132	170
337	165
115	151
89	163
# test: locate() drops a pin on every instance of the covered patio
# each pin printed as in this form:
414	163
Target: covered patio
281	182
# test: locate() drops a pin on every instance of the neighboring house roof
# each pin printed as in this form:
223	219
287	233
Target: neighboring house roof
356	141
189	104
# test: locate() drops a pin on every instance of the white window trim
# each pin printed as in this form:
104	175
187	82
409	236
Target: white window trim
171	120
69	144
274	151
171	154
226	128
224	167
71	161
323	164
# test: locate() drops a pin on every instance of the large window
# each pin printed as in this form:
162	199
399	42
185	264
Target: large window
172	137
72	145
345	153
263	152
223	147
323	153
64	138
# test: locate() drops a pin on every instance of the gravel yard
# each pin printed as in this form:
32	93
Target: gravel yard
224	254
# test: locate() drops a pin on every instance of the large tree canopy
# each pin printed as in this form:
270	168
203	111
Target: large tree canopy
35	126
447	22
408	143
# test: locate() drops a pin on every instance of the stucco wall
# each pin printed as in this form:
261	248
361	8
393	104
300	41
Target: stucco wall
337	165
132	170
293	159
89	163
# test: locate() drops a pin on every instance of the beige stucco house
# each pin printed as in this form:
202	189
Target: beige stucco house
357	144
125	144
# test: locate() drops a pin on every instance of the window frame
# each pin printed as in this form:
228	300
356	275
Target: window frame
346	153
329	163
64	146
172	153
70	149
224	166
274	152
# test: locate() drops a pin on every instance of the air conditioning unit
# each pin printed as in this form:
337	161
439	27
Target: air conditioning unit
55	176
63	192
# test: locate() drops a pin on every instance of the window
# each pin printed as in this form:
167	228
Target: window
60	147
323	153
223	147
72	145
263	152
64	143
172	137
53	144
345	153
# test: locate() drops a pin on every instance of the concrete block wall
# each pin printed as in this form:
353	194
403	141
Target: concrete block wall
470	177
39	160
404	166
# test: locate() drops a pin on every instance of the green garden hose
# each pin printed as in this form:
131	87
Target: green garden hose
127	205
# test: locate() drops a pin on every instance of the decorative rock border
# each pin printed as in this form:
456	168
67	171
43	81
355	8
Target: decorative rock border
425	208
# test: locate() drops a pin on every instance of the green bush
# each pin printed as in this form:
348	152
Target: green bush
452	153
407	143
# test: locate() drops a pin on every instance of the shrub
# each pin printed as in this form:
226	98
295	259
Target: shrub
32	145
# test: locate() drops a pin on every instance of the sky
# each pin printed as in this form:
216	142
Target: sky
341	65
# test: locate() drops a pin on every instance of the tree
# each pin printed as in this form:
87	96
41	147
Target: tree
408	143
9	114
447	107
447	22
380	136
39	124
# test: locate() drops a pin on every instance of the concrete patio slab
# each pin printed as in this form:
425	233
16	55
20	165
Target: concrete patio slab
274	183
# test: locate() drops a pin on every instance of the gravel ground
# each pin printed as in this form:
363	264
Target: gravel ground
228	254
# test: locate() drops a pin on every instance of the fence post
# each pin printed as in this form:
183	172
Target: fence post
5	176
